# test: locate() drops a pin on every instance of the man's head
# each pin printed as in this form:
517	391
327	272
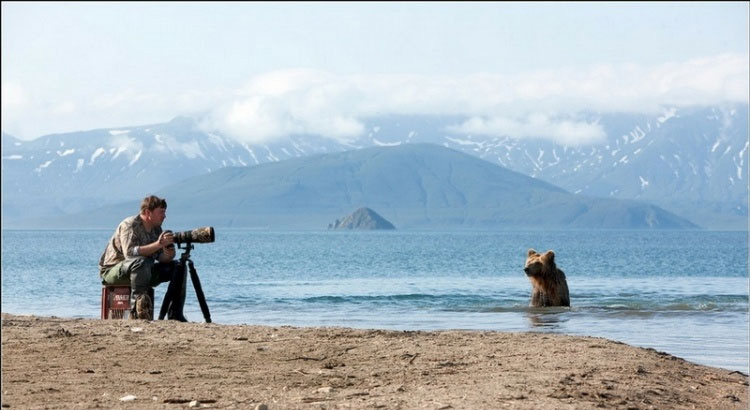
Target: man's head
153	211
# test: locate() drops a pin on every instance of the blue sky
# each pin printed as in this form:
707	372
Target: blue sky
264	70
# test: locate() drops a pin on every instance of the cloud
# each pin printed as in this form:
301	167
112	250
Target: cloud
28	115
563	131
291	102
122	143
13	96
277	104
534	104
129	98
190	149
64	108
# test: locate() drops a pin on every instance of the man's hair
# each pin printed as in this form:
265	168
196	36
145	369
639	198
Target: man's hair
152	202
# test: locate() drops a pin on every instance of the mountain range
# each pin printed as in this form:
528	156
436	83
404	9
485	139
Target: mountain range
692	162
416	186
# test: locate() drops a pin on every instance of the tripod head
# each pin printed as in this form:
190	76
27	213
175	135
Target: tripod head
186	247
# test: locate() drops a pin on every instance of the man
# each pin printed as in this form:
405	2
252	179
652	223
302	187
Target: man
142	255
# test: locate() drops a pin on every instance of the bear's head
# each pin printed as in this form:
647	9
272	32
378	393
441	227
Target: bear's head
538	265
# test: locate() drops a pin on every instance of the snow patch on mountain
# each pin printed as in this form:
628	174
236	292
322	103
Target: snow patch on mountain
644	182
385	144
741	161
168	143
297	147
43	166
637	134
190	149
99	151
670	113
270	156
125	144
716	145
136	158
463	142
217	140
252	154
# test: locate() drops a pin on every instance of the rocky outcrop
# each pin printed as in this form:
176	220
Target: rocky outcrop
364	219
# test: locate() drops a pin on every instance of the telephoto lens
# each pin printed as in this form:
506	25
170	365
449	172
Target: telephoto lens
198	235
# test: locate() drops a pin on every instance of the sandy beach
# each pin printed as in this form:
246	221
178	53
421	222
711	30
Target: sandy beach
50	362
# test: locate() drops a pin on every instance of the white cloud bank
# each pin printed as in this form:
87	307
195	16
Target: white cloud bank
563	131
538	104
13	96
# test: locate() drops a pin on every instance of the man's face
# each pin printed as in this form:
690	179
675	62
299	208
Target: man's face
157	216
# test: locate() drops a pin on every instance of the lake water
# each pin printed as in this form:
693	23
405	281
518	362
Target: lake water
685	293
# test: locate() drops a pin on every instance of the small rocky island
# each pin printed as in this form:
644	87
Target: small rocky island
364	219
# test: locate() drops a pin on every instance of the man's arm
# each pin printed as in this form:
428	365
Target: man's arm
131	248
165	238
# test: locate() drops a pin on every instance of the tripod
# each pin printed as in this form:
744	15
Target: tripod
176	288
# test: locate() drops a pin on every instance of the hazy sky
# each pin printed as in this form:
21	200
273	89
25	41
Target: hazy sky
263	70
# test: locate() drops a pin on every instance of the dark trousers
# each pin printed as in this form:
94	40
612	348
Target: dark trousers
140	273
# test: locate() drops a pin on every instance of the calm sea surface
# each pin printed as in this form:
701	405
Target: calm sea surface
685	293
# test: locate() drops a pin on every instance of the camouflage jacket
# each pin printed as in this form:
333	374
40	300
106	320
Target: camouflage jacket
129	234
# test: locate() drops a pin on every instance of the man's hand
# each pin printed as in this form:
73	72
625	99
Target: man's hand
166	238
167	254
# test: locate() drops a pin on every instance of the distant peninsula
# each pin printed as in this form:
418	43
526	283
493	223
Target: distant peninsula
362	219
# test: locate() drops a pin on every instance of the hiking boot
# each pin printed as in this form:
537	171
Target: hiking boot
143	307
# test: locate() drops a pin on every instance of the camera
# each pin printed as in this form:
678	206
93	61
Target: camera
198	235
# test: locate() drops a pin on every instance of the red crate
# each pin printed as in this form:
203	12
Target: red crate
116	301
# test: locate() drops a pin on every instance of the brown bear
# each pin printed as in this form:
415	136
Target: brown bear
549	287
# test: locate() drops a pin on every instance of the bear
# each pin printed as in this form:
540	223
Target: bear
549	287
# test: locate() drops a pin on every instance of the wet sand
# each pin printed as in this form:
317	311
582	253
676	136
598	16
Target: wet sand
85	363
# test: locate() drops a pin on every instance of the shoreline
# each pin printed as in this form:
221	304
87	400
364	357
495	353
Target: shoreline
56	362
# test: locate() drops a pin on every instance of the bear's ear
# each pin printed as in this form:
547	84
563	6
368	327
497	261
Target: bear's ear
549	256
531	252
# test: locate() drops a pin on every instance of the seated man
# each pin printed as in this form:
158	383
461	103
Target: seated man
142	255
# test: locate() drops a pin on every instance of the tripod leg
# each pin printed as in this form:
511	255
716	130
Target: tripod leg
175	311
199	292
165	303
174	299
